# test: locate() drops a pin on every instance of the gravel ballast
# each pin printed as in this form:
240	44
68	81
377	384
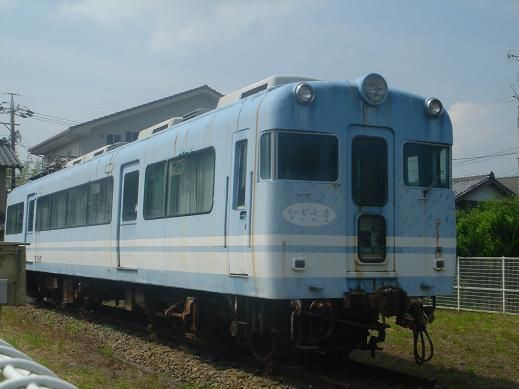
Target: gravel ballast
181	365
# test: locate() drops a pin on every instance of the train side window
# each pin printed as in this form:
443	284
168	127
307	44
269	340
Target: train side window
77	206
58	209
30	216
100	201
14	223
155	190
266	156
43	213
130	196
191	183
369	170
240	173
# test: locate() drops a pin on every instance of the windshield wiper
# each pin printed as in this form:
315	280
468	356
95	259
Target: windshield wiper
436	178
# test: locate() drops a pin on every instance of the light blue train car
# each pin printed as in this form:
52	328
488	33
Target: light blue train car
296	213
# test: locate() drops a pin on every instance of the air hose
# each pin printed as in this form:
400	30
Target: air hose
420	350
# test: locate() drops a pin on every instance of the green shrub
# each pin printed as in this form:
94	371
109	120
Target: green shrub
489	230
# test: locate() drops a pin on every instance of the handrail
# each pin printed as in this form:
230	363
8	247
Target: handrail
19	370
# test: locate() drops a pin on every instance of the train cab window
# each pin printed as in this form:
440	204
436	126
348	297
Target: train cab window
240	172
14	224
308	157
426	165
369	171
130	196
30	216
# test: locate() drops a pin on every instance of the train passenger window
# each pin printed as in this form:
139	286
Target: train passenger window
155	190
426	165
240	173
130	196
43	213
100	201
190	183
58	209
181	186
266	156
14	223
30	216
307	157
369	170
77	206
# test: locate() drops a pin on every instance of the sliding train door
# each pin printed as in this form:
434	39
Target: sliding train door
239	205
127	221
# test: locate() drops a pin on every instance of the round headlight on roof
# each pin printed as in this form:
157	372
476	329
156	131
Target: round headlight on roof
373	89
434	107
304	93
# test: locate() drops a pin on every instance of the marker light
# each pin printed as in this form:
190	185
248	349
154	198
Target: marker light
373	89
304	93
433	107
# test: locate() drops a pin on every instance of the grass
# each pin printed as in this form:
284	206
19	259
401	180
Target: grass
71	357
472	350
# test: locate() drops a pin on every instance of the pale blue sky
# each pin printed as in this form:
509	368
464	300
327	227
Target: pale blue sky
84	59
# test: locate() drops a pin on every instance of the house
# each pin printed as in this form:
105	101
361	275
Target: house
470	190
123	126
511	183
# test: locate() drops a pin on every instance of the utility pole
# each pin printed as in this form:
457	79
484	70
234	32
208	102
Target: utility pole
14	110
13	137
514	57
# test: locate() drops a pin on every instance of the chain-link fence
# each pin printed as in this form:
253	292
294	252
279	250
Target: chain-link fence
486	284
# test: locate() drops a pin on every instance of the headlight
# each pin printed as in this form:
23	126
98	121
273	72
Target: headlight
373	89
304	93
433	107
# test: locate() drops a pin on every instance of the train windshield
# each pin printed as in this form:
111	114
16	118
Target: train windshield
426	165
307	157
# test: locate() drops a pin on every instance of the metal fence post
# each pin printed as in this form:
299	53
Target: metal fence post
458	280
503	283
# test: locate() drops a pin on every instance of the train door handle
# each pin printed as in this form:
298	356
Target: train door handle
243	214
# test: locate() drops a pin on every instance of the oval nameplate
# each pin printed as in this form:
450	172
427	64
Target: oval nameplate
309	214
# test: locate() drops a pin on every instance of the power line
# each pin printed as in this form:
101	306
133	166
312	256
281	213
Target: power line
483	156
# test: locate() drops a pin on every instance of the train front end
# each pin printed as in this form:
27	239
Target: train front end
354	203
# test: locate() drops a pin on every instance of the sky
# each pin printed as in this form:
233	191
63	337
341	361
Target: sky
83	59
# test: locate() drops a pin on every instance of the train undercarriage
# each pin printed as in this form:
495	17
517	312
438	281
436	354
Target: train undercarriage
270	328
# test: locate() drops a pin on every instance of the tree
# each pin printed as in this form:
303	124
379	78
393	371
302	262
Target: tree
31	167
489	230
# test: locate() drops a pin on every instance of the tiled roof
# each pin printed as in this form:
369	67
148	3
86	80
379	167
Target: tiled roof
7	157
511	183
463	185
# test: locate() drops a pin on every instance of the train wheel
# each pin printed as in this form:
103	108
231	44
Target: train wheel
263	346
262	338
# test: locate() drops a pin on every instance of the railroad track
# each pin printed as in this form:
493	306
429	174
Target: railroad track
316	371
